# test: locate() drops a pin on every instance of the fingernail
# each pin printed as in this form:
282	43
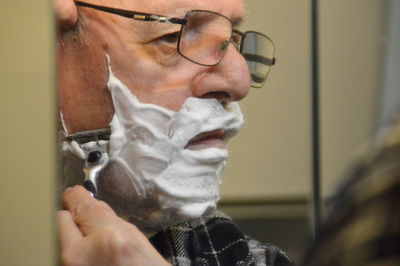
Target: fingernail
68	188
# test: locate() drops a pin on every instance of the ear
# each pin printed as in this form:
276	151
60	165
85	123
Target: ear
66	14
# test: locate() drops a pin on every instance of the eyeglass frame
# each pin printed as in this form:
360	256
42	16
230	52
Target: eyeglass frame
147	17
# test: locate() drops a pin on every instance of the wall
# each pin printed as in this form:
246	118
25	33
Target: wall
266	187
270	159
352	51
27	134
390	100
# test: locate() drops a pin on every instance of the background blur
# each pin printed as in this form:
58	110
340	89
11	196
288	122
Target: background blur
267	184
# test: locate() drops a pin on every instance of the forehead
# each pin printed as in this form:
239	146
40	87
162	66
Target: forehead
232	9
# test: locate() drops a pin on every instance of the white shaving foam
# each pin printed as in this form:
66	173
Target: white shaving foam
148	143
151	178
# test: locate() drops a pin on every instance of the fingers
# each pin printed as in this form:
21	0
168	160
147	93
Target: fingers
69	232
92	234
70	240
87	212
66	13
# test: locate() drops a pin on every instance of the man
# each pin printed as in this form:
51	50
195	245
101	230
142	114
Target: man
164	75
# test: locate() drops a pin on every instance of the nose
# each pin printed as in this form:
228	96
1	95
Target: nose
229	80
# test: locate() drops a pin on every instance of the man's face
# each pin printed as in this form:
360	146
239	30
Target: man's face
143	56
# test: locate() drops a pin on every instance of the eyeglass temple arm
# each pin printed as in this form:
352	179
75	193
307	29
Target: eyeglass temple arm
133	14
260	59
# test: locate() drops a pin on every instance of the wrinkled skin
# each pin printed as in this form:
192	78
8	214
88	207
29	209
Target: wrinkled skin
141	58
90	232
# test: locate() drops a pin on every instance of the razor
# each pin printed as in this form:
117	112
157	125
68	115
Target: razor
96	155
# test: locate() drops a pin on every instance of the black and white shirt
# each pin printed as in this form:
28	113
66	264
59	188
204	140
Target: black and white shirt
214	240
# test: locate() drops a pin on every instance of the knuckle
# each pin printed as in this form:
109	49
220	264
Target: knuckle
102	206
81	208
117	241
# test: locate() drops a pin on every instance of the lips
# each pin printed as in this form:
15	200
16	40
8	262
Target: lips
209	139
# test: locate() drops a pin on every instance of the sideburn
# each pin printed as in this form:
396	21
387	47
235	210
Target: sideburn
82	75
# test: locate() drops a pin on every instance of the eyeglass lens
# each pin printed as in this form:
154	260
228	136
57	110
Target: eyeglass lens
205	37
258	50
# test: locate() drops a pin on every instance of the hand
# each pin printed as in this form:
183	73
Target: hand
66	13
92	234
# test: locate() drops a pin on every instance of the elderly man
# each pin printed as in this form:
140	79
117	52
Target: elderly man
147	100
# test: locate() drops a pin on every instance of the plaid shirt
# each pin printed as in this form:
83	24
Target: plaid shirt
214	240
363	225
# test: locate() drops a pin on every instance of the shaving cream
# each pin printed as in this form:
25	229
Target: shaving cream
151	178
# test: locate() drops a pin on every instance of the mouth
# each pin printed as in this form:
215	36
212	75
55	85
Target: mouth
209	139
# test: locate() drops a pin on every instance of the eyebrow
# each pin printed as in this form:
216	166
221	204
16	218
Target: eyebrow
180	11
237	21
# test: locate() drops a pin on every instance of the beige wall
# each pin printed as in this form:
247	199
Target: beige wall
27	135
271	156
352	53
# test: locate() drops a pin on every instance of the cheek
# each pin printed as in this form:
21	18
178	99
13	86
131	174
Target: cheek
81	78
169	87
151	81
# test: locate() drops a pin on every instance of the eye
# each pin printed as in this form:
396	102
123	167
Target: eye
170	37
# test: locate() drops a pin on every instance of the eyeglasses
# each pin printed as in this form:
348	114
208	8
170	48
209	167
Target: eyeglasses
204	37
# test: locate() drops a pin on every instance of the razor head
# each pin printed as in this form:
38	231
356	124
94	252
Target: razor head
90	135
90	187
